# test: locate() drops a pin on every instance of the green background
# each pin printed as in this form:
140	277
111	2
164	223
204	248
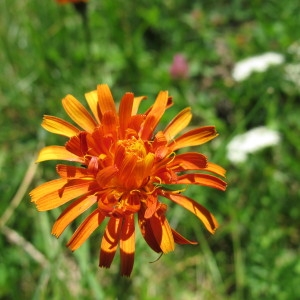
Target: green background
47	51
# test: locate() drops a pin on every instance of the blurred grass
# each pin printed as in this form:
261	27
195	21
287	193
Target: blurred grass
46	54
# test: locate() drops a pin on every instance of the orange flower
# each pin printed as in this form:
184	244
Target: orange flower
125	169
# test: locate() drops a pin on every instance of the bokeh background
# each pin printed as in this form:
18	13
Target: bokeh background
49	50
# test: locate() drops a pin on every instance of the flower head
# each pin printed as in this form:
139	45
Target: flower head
250	142
179	68
124	169
259	63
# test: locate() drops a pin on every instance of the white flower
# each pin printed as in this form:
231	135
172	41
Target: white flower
251	141
294	49
292	73
259	63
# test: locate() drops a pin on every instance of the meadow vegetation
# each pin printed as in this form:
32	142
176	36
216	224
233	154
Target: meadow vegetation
49	51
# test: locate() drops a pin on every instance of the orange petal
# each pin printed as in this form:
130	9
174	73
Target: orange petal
179	239
136	103
59	126
143	169
126	165
169	104
57	153
132	172
125	111
78	144
136	122
110	124
47	188
151	204
46	197
147	231
132	200
180	122
105	175
194	137
92	100
211	167
78	113
73	172
105	99
162	232
152	119
159	141
188	161
71	213
127	245
86	228
110	242
200	211
95	142
202	179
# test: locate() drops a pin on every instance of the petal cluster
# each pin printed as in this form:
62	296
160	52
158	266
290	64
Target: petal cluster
123	167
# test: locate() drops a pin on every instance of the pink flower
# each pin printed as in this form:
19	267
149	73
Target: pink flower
179	68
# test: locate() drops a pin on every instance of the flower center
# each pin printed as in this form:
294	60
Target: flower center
134	163
133	147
